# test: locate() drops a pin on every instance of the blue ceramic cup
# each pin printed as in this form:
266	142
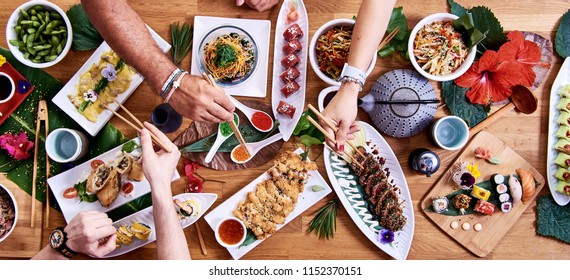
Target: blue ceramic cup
66	145
450	133
165	118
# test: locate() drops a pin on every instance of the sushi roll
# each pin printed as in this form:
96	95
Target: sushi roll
563	145
562	174
564	104
440	204
504	197
563	132
506	207
563	119
502	188
562	160
480	193
498	179
563	188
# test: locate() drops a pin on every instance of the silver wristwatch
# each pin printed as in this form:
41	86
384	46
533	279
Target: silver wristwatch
352	74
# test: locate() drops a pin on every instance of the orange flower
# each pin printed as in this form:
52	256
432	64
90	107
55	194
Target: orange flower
525	53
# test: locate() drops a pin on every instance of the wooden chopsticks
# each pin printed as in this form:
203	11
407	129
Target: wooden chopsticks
41	117
333	127
232	124
137	128
201	239
388	38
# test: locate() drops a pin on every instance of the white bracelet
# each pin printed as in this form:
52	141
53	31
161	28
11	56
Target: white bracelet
169	80
175	86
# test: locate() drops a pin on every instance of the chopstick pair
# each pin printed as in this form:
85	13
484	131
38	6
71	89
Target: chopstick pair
330	137
232	124
42	116
388	38
137	128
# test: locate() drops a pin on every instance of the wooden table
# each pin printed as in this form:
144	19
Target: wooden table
526	134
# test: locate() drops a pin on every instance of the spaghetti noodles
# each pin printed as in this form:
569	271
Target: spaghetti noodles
229	58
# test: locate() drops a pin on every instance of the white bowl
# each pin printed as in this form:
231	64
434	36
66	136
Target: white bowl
2	188
313	53
226	244
323	95
11	34
448	77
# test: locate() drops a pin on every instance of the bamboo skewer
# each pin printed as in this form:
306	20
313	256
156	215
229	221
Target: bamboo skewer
331	138
202	244
333	127
388	38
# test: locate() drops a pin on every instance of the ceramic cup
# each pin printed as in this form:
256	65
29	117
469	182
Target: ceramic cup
7	87
450	133
165	118
66	145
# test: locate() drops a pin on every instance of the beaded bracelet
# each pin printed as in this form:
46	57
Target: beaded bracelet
175	86
169	81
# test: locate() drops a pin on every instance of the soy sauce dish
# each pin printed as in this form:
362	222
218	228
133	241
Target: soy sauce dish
231	232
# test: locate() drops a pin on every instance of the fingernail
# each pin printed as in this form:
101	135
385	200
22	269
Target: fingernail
341	147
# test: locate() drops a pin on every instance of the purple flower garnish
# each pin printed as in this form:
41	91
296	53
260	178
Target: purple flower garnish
90	95
23	86
467	179
109	73
386	236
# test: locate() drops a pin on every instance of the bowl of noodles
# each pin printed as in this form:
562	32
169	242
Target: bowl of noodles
437	50
329	50
229	54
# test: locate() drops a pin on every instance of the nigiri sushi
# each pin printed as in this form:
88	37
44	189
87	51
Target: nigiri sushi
528	184
515	189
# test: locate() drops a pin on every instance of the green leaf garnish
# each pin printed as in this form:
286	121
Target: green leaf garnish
553	219
82	192
460	106
130	146
324	222
456	9
226	56
181	41
85	36
249	238
471	36
562	40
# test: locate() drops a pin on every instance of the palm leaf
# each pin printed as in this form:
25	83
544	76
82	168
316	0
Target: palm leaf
324	222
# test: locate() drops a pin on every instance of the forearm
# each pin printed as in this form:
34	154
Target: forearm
170	239
48	253
127	34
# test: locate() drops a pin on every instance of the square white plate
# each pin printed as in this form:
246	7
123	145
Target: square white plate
62	101
306	199
67	179
256	85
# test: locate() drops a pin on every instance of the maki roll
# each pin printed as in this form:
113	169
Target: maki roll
501	188
440	204
563	132
563	119
563	160
498	179
564	104
563	188
506	207
504	197
563	145
562	174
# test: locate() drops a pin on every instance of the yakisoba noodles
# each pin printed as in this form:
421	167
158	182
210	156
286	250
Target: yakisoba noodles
439	49
229	58
332	50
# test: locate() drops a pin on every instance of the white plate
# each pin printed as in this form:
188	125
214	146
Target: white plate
145	216
62	101
70	207
306	199
346	186
256	85
563	78
297	99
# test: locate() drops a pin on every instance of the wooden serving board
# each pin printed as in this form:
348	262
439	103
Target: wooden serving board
494	226
24	241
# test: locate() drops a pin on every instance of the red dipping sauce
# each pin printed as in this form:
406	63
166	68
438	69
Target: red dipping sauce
231	232
261	121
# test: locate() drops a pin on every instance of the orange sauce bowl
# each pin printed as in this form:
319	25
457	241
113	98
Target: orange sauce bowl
231	232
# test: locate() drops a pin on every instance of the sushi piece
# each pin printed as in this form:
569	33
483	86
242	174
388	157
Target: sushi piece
564	104
440	204
504	197
563	188
290	74
563	132
286	109
484	207
125	235
292	47
293	32
498	179
562	174
502	188
563	160
290	60
563	119
289	88
480	193
506	207
563	146
515	189
528	184
564	91
461	202
141	231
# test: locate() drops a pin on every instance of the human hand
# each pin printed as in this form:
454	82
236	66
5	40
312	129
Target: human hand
158	167
342	110
91	233
260	5
198	100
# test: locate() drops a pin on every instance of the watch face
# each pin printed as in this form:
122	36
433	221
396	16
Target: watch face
56	238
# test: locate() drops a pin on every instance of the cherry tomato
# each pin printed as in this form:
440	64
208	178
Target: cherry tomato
70	193
128	188
96	163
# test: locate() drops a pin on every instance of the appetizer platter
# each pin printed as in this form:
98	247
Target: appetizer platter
138	229
377	197
103	183
482	194
244	71
103	80
290	65
557	172
286	190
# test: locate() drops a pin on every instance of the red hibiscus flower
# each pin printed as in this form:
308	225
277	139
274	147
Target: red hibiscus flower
525	53
489	79
195	184
17	146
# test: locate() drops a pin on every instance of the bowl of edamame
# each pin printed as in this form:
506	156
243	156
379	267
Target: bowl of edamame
39	34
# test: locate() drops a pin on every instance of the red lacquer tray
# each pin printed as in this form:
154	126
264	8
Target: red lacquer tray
7	108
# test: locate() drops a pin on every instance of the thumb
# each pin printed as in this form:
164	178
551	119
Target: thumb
341	135
240	2
146	142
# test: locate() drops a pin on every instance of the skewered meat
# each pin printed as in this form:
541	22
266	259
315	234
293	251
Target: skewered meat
290	60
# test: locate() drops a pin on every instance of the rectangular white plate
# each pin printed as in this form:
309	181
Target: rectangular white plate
62	101
145	216
64	180
256	85
297	99
306	199
563	78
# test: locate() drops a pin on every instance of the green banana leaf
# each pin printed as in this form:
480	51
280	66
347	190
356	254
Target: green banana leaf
249	133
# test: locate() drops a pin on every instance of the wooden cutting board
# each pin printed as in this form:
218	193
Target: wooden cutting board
24	241
494	226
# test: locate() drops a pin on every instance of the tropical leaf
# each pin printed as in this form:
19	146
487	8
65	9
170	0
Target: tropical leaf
459	105
562	40
486	22
85	36
553	220
249	238
456	9
400	41
131	207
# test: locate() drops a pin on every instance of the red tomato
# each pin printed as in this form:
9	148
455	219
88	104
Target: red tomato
70	193
128	188
96	163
